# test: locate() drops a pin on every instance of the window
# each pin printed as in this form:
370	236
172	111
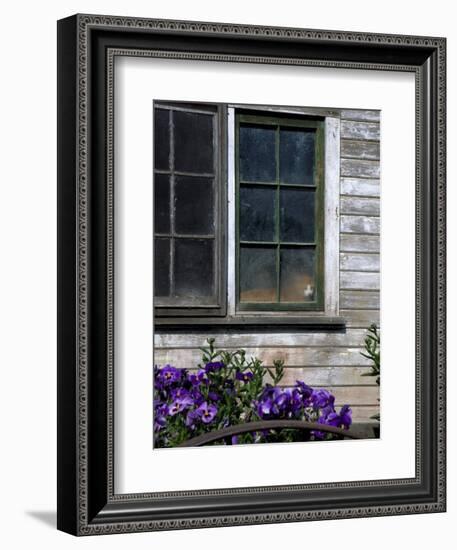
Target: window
188	219
279	173
246	213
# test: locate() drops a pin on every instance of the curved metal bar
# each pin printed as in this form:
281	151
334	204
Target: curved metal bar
238	429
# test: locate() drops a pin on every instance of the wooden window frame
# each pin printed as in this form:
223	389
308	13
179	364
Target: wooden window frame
219	309
278	120
227	316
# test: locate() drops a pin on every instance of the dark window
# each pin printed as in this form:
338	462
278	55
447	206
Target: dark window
280	215
188	195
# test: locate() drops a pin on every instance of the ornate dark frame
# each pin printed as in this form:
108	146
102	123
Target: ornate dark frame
87	503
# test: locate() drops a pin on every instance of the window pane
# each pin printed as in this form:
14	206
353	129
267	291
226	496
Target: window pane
257	213
194	206
297	281
194	268
297	215
193	137
162	267
161	203
257	153
161	139
257	274
296	156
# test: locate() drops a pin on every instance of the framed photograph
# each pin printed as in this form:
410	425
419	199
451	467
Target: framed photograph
244	213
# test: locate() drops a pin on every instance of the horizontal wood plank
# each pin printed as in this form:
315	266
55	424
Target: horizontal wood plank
350	338
353	395
292	357
359	299
368	206
360	318
360	186
360	280
327	377
356	168
360	130
358	149
361	115
360	224
359	243
364	414
359	262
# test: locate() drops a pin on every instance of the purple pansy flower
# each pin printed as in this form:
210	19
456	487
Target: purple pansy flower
191	419
179	393
179	405
322	398
169	375
214	396
244	376
214	366
207	412
160	413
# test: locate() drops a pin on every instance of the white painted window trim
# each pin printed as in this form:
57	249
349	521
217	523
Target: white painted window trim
331	225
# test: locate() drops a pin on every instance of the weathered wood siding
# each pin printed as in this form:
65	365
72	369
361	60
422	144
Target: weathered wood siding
359	248
329	360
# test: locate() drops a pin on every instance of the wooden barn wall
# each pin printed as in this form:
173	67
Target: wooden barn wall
328	360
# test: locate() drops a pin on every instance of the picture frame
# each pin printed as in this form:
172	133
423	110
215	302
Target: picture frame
87	501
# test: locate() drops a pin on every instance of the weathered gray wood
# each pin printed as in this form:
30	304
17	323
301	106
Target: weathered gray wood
323	377
358	149
354	395
332	222
368	206
359	299
327	377
360	224
361	187
359	280
357	168
292	357
359	243
360	318
350	338
360	130
359	262
364	414
373	115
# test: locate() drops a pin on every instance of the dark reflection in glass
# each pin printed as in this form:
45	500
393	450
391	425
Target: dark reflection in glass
297	215
193	137
161	267
297	280
257	213
257	153
296	153
257	274
194	268
194	206
161	203
161	140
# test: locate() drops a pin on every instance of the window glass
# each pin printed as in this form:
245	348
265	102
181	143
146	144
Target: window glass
257	153
277	206
184	206
257	213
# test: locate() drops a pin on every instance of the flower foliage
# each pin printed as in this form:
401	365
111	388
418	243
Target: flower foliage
229	388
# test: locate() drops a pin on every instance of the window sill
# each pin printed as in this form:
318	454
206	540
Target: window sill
249	323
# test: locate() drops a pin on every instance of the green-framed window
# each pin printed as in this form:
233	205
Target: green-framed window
279	172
